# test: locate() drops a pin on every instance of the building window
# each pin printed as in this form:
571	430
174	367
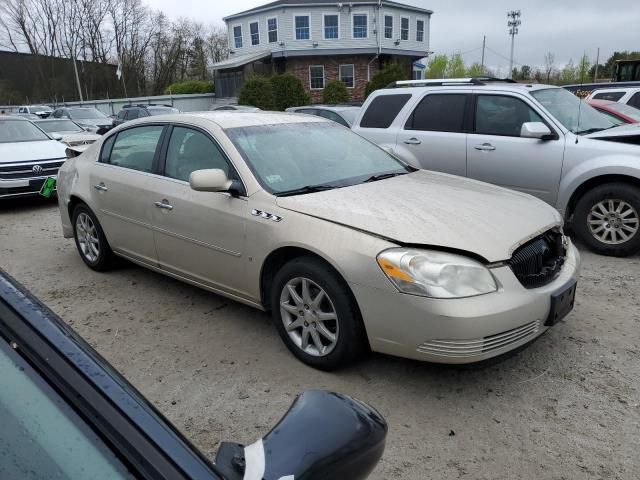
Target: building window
346	75
331	26
302	27
316	77
420	31
237	36
404	28
360	21
272	29
388	26
255	33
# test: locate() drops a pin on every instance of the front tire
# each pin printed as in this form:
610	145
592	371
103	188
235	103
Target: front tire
316	316
90	239
607	219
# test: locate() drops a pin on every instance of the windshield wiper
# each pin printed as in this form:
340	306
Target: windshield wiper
595	130
306	189
382	176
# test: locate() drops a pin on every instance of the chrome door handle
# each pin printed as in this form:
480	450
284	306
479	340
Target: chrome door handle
413	141
163	204
485	147
101	187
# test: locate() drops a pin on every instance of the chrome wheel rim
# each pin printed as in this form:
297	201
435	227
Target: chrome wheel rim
613	221
309	317
87	236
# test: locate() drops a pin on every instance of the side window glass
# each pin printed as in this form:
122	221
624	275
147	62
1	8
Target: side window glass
121	114
502	115
135	148
383	110
105	153
613	96
57	113
439	113
308	111
191	150
635	100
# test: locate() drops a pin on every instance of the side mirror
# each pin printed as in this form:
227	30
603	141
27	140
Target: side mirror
536	130
214	180
323	435
56	136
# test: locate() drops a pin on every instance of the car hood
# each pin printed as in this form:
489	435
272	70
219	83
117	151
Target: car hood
79	137
29	151
434	209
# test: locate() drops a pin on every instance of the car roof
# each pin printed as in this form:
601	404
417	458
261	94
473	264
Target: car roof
614	90
233	119
505	87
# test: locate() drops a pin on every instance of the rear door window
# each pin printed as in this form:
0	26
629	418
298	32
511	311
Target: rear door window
135	148
439	113
383	110
503	115
635	100
613	96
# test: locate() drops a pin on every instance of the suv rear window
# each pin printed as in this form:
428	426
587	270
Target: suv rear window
613	96
439	113
383	110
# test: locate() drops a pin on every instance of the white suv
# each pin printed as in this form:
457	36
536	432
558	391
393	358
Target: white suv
537	139
628	96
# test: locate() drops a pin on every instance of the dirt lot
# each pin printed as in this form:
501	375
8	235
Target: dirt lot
565	408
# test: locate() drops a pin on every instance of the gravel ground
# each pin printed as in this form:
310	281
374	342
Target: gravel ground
567	407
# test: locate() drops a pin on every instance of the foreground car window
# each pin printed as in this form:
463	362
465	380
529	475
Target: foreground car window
41	436
290	156
191	150
135	148
20	131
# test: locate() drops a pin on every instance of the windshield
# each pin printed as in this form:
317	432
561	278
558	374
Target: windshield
20	131
162	110
627	110
575	114
291	156
86	113
59	126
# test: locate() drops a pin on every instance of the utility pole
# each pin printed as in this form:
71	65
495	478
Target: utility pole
75	69
513	24
484	46
595	74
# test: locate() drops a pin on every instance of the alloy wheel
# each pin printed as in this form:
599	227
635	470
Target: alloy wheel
309	316
613	221
87	235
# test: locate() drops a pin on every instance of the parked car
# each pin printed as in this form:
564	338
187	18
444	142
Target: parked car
92	119
620	113
534	138
27	157
346	245
28	116
67	413
628	96
343	114
131	112
72	134
42	111
234	107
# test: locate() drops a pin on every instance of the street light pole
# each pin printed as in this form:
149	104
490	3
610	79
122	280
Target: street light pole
513	24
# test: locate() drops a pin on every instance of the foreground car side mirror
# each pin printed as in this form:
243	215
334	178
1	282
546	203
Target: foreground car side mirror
324	435
536	130
214	180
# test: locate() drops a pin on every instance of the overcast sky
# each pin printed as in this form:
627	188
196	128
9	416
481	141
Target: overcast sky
568	28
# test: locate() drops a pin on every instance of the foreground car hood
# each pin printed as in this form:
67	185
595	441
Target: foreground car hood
29	151
429	208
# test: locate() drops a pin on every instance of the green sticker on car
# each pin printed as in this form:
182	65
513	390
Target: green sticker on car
48	187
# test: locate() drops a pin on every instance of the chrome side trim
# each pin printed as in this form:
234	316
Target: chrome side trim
198	242
127	219
266	215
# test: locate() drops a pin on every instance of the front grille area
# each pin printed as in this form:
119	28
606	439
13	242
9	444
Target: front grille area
539	261
480	346
16	171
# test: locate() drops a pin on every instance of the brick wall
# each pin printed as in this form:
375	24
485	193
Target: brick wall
299	66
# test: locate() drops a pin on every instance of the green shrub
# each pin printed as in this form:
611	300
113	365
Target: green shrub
288	91
391	73
190	86
257	92
335	92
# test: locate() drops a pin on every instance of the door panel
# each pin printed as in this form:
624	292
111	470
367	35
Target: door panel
497	154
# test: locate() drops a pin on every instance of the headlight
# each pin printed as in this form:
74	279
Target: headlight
435	274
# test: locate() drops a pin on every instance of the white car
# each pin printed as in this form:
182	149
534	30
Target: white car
27	157
42	111
628	96
73	135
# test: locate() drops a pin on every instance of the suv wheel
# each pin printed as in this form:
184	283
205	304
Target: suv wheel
315	315
607	219
90	240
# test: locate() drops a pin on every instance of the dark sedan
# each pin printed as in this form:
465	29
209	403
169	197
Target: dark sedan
89	118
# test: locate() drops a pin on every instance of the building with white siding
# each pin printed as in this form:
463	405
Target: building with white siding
320	40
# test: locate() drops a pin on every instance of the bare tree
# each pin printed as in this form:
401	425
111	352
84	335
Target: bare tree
216	44
549	65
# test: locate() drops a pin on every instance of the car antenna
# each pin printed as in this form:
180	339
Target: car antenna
579	93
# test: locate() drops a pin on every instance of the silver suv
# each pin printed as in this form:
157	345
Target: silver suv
537	139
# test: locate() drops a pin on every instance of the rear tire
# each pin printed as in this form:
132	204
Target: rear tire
90	239
607	219
316	315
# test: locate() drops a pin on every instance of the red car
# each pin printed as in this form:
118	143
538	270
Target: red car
619	112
